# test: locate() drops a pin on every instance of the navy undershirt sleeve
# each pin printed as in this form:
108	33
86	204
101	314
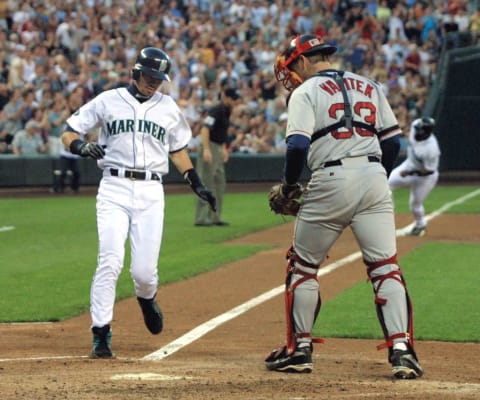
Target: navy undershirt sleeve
390	149
70	129
295	157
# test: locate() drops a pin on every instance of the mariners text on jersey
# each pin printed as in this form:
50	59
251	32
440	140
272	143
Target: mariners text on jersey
118	126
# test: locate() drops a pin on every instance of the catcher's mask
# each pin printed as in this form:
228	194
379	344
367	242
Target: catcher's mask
423	128
152	62
300	45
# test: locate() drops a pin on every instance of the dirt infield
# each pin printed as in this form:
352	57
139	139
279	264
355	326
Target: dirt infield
48	361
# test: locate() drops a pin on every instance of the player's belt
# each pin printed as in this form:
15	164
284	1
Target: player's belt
334	163
134	175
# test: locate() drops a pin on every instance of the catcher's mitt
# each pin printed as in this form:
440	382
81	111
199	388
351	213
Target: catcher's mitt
285	199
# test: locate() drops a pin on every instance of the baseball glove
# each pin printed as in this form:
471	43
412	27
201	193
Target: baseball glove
285	199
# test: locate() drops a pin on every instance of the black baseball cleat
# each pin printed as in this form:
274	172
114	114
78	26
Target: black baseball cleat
417	231
102	338
299	361
152	315
405	365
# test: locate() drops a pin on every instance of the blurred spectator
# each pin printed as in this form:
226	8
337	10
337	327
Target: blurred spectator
41	118
13	112
81	49
413	60
69	172
4	94
474	25
6	138
28	107
280	143
55	117
265	142
28	141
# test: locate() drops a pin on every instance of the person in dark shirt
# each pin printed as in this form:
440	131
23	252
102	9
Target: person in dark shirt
213	154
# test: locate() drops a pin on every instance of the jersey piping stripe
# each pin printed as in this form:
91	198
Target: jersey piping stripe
143	135
135	118
180	149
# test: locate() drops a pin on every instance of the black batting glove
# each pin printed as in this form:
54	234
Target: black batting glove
199	189
84	149
93	150
205	194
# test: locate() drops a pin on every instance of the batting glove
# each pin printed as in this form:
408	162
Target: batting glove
199	189
84	149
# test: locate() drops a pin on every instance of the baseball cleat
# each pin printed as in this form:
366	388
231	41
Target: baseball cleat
299	361
417	231
405	365
152	315
101	342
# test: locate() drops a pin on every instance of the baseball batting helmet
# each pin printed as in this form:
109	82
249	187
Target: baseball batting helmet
152	62
305	45
423	128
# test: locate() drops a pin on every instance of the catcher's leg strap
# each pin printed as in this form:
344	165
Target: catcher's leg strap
306	271
390	271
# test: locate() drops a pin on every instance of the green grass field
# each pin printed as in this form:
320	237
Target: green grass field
48	260
444	289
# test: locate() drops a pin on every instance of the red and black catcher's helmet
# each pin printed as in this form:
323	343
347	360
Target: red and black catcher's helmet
152	62
423	128
305	45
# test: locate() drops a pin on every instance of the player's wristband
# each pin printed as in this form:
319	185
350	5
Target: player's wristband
192	178
76	146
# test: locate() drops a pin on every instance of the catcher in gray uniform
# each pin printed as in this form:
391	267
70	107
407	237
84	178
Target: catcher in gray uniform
342	126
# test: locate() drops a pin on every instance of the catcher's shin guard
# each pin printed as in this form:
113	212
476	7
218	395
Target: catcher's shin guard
378	280
292	334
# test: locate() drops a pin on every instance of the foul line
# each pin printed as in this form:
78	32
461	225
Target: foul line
6	228
208	326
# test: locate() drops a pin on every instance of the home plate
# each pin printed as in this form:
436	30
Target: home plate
147	377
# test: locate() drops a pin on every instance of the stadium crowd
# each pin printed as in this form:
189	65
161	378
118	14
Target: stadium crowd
56	54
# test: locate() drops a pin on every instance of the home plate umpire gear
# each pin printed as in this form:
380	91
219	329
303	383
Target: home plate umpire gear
336	121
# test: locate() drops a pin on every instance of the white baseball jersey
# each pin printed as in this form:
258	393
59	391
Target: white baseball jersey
136	135
318	103
422	155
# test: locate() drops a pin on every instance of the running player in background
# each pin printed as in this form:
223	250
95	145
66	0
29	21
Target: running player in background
419	171
339	123
140	129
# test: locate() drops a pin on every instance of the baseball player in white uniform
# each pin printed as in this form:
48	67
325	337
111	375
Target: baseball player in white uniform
340	124
419	171
140	129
